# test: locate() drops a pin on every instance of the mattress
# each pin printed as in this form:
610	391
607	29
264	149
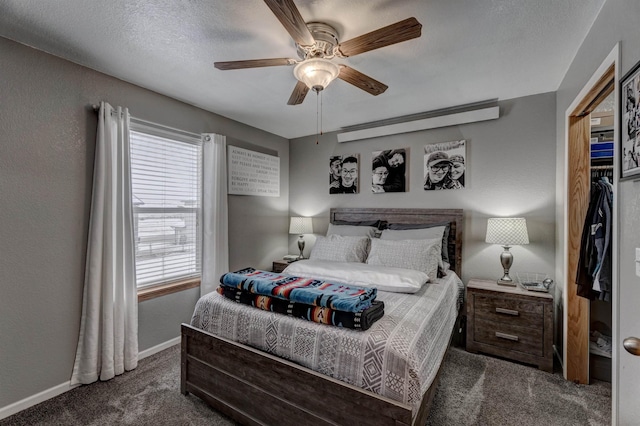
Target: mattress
398	357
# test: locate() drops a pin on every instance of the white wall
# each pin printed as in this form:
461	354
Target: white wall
510	172
47	129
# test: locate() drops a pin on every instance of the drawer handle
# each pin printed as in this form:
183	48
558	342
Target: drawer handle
507	336
507	311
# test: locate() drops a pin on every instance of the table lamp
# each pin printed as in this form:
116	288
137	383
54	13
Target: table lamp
301	225
507	231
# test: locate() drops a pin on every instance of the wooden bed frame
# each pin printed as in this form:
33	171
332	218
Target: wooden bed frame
256	388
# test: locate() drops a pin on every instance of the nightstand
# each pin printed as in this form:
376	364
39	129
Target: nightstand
510	322
279	265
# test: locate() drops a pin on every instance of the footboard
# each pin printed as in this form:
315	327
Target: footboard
256	388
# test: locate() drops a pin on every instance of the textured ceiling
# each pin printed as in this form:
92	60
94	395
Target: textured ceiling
470	50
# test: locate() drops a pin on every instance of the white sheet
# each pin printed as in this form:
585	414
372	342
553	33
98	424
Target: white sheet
384	278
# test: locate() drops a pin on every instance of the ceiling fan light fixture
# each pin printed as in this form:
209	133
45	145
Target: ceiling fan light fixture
316	73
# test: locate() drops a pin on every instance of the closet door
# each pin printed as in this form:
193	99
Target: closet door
576	353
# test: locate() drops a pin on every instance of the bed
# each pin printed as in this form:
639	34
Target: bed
255	387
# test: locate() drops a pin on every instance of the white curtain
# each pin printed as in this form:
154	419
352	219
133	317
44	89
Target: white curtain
108	342
215	229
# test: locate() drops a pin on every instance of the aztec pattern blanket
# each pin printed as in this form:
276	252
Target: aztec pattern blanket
334	295
398	357
356	320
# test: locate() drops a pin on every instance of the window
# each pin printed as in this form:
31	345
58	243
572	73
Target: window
166	169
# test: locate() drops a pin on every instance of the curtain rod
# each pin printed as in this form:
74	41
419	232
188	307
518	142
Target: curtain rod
136	120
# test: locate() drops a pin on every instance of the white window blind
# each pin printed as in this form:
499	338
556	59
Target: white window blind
165	178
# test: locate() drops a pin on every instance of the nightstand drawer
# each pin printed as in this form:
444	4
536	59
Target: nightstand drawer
509	311
509	336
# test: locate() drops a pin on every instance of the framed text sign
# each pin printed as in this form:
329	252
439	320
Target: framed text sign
253	173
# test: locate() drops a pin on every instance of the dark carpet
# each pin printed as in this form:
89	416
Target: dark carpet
474	390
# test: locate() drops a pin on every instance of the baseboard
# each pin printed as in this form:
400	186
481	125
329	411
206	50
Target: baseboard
18	406
158	348
30	401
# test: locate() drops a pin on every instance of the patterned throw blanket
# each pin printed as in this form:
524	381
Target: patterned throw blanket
336	296
355	320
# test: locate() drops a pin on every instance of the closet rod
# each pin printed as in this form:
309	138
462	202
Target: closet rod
601	167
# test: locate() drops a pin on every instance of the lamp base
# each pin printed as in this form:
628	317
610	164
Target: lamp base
301	247
506	259
508	282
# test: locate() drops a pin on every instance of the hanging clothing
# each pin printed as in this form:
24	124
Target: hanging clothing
594	273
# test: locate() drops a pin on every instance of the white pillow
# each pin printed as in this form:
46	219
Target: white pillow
384	278
352	230
420	255
417	234
337	248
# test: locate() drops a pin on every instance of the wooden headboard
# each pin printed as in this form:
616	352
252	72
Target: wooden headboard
422	216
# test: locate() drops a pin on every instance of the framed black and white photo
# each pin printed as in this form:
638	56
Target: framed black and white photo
389	170
343	174
445	165
630	121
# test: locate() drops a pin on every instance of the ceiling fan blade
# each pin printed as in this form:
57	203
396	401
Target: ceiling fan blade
253	63
289	16
361	81
299	93
395	33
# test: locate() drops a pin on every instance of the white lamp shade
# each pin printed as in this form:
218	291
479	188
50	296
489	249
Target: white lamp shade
316	73
507	231
301	225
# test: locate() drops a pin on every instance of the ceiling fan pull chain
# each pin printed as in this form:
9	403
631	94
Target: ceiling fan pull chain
317	120
321	108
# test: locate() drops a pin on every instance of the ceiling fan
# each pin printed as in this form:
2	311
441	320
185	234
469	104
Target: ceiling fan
317	44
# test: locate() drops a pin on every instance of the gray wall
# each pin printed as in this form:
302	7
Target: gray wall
617	22
46	164
510	172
